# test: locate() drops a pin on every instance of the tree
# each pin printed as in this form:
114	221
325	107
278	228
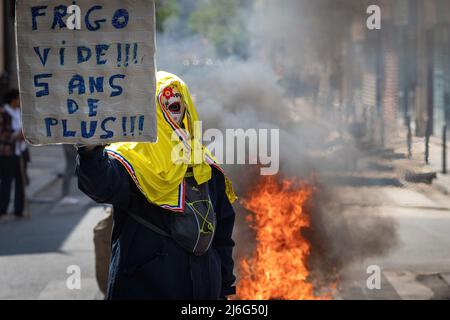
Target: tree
221	22
165	9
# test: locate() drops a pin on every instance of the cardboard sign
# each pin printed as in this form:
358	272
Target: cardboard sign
87	70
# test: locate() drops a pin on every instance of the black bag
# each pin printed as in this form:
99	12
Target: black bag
194	229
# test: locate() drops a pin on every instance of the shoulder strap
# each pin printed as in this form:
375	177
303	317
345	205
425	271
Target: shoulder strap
149	225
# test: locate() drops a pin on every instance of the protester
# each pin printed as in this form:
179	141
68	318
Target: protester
173	222
13	155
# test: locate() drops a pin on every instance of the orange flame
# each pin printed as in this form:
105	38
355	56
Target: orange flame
277	269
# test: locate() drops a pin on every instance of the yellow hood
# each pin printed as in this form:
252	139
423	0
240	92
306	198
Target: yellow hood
152	166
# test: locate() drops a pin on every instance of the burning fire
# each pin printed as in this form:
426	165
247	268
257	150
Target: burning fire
277	269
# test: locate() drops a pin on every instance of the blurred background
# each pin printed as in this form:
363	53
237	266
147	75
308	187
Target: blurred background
363	120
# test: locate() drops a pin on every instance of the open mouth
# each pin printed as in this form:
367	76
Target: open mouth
174	107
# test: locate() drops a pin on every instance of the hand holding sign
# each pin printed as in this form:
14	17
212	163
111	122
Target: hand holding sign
87	70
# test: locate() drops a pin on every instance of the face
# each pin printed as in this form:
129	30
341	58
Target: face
172	101
15	103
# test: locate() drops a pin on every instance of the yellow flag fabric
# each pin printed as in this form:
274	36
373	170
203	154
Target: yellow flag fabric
158	169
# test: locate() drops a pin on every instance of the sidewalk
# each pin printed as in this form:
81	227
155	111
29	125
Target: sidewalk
417	162
47	162
46	169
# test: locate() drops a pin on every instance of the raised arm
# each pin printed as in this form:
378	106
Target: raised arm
101	178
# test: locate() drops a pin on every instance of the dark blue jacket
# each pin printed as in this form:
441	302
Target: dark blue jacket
147	265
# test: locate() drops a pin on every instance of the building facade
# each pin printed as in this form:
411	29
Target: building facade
8	65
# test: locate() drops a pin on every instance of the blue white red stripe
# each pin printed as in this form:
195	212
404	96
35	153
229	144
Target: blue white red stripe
181	200
181	189
127	166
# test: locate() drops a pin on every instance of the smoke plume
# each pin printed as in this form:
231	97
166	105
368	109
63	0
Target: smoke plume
279	86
